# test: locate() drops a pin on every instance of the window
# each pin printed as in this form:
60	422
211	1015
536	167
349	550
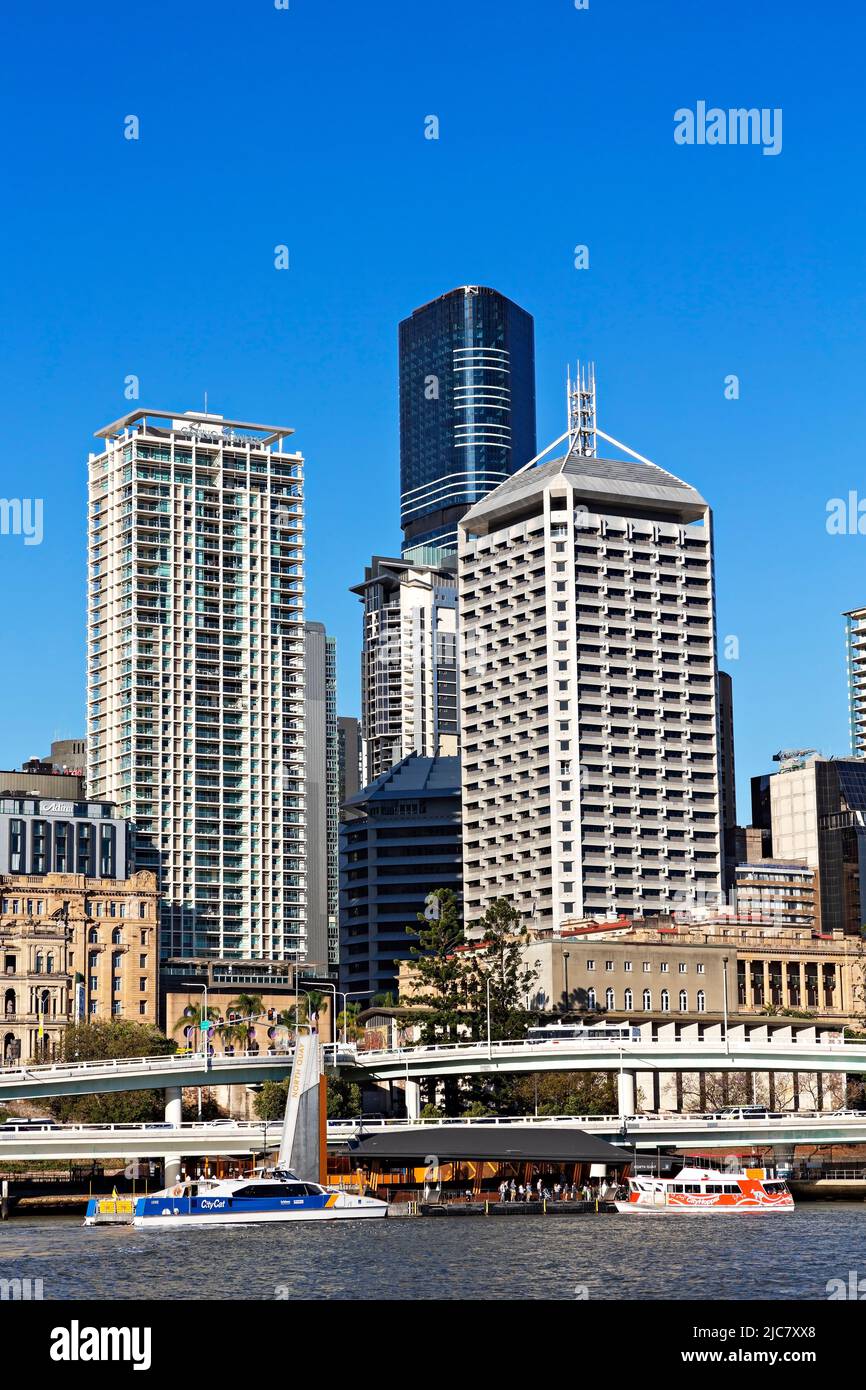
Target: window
590	998
666	1002
664	967
702	1002
647	1000
626	965
684	1002
590	965
608	965
646	967
609	999
628	1000
699	968
682	967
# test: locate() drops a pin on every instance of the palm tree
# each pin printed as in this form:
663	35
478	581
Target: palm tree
192	1017
348	1022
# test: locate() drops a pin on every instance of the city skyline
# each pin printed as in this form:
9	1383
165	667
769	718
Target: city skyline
317	344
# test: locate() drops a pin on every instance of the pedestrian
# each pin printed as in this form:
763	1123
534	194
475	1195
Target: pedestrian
512	1191
521	1193
557	1191
503	1188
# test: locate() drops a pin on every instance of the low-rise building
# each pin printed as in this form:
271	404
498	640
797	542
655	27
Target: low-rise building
74	948
777	892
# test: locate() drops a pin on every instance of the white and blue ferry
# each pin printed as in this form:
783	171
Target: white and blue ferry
277	1195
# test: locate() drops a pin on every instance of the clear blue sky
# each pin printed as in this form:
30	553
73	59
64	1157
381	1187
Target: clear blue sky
305	127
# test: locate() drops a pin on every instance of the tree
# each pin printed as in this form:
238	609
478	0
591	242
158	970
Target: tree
344	1098
192	1018
347	1022
498	970
99	1039
270	1102
439	968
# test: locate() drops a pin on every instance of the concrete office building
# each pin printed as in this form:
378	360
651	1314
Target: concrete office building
408	663
778	892
322	788
44	835
349	758
401	843
589	728
727	765
818	813
195	718
467	410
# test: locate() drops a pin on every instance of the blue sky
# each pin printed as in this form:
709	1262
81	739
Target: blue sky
260	126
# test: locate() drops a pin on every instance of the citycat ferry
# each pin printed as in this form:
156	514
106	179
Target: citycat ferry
698	1190
275	1195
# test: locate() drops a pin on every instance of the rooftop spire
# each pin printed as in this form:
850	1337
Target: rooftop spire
580	405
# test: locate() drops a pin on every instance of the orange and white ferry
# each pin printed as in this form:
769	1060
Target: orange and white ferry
696	1189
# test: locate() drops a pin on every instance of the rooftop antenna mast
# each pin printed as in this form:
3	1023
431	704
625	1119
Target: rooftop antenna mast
580	405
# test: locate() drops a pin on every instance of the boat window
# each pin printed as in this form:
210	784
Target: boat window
692	1187
715	1187
732	1187
269	1189
774	1187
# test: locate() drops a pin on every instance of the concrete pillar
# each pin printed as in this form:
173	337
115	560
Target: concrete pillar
173	1115
625	1090
413	1098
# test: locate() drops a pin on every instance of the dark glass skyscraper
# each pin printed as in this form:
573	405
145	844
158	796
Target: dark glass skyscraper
467	408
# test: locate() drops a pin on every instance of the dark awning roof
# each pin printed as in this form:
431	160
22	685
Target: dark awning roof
495	1143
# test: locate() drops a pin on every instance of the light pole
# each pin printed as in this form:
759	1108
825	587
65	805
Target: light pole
565	956
489	1033
725	997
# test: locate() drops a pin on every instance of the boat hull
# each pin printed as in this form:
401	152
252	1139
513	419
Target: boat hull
257	1218
752	1209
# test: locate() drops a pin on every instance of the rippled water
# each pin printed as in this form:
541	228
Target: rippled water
789	1257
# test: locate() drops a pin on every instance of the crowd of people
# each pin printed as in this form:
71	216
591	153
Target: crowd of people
543	1189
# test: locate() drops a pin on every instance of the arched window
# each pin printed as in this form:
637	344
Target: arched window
608	999
49	965
666	1002
647	1000
629	1000
115	937
684	1002
37	964
93	936
9	1003
590	998
702	1002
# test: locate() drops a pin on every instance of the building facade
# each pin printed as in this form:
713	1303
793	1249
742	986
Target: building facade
727	764
855	664
322	794
818	813
75	948
52	835
348	758
467	410
778	892
401	843
408	663
589	729
196	672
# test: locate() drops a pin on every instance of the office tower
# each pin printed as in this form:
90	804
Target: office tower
727	767
349	755
322	791
467	410
196	672
855	660
408	662
400	842
589	728
818	811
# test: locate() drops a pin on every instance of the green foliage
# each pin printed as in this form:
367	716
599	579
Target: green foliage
270	1103
439	969
102	1038
431	1112
500	962
344	1098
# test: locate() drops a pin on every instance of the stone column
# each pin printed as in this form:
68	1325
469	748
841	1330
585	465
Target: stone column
173	1115
625	1090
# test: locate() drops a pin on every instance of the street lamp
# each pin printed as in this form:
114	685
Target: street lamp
725	997
565	956
489	1035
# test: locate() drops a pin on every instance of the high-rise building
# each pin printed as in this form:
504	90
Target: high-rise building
400	842
818	812
467	410
855	660
322	783
349	755
727	766
196	672
589	730
408	662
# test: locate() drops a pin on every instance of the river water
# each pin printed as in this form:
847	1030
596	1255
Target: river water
532	1257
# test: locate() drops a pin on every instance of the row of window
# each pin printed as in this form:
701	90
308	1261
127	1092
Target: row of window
647	1001
664	966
